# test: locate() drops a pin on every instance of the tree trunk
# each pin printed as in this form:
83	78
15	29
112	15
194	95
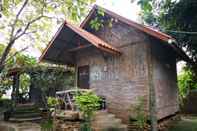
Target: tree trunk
5	54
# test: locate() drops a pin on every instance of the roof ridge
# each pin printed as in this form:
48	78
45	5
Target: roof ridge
155	33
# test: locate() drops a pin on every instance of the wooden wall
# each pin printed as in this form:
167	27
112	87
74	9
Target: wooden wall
165	79
120	79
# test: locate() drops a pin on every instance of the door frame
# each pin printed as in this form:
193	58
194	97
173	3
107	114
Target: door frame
78	76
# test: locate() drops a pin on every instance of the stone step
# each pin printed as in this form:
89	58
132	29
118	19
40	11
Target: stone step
26	115
23	108
26	111
26	104
104	121
101	117
24	119
22	126
102	112
107	122
118	128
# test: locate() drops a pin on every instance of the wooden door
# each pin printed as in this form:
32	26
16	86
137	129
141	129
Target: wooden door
83	77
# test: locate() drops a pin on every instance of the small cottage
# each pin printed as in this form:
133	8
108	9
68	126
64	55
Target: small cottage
121	60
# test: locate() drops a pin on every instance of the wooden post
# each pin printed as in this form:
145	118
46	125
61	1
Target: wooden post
15	92
76	76
152	93
13	95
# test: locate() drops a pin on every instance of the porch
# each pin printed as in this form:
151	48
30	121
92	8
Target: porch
65	50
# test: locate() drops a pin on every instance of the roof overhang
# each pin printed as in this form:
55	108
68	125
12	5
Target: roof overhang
70	39
143	28
167	39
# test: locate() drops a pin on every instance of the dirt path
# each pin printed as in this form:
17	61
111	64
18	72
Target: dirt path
26	126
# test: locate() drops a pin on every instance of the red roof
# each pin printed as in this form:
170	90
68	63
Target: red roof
143	28
93	39
150	31
97	42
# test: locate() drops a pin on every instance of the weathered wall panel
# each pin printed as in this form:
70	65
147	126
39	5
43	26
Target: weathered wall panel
120	79
117	78
165	78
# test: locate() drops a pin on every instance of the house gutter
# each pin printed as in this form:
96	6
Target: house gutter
181	52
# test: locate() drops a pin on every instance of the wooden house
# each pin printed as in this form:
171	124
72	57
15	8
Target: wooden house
121	61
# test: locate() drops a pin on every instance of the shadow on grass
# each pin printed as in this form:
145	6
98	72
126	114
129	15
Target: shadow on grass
187	123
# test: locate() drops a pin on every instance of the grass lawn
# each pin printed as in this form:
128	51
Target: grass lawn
185	124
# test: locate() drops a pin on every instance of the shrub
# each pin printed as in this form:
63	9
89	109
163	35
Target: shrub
52	101
47	125
6	105
88	103
186	82
140	118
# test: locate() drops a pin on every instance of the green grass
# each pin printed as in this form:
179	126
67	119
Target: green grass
185	124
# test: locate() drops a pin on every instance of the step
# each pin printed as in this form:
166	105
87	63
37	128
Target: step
119	128
107	116
26	104
26	111
25	107
107	122
26	115
102	112
104	121
24	119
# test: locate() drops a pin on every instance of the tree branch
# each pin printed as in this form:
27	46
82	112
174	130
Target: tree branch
16	19
11	40
31	32
17	36
17	52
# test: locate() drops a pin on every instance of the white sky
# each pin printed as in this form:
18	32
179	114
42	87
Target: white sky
122	7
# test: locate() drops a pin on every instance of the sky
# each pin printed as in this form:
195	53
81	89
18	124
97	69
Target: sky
122	7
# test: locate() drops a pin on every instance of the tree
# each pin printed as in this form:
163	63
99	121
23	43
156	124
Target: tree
186	83
15	60
177	18
30	20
